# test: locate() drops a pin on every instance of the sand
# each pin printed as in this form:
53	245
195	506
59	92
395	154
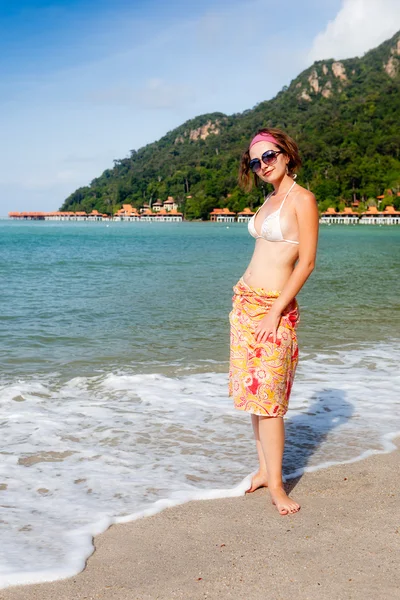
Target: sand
343	544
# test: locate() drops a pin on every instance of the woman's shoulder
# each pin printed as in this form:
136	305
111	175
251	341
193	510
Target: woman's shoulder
304	197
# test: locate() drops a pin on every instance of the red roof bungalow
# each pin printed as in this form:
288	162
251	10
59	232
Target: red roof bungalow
389	210
373	216
222	214
244	215
169	215
96	216
127	211
348	212
345	216
31	215
330	212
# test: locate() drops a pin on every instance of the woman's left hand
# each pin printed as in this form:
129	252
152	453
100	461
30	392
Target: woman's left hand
267	327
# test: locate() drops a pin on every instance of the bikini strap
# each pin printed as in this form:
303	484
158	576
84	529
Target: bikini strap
260	207
287	194
267	198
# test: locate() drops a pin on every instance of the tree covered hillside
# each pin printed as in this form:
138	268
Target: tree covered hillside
343	114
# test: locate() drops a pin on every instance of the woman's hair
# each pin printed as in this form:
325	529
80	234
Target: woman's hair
285	143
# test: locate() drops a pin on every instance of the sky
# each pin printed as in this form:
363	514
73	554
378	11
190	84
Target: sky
83	82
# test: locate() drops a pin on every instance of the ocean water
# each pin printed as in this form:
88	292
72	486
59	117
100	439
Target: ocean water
114	347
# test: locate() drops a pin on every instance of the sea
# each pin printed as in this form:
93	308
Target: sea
114	349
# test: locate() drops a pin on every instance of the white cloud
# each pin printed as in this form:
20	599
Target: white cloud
359	26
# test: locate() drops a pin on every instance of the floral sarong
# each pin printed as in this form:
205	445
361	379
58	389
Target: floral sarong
261	374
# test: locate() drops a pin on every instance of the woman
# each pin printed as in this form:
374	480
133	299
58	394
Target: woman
264	353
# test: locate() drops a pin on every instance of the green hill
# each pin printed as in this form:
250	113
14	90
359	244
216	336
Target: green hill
343	114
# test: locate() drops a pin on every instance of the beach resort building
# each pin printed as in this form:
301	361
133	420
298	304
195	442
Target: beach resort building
127	213
391	215
148	215
161	215
27	216
96	216
222	215
245	215
345	217
170	204
80	216
169	215
157	206
58	215
329	216
373	216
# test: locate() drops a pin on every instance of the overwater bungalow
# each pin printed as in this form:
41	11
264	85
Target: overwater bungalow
96	216
222	215
245	215
392	216
80	215
162	215
148	215
30	216
373	216
329	216
59	215
171	215
127	213
348	216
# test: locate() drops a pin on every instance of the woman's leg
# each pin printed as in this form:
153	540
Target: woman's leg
272	438
260	479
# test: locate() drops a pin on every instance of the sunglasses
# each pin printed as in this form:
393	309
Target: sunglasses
268	158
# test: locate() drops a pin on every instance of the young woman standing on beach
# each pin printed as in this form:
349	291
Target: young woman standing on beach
264	316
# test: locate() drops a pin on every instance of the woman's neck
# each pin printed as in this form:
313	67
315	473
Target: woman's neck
282	186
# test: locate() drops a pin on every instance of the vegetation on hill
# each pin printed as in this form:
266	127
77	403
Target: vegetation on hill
343	114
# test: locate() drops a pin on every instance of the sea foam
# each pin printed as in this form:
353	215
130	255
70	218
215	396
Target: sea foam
83	454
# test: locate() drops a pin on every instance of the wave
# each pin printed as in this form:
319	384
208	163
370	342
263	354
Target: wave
83	454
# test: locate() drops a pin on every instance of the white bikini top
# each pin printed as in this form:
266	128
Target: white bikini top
271	226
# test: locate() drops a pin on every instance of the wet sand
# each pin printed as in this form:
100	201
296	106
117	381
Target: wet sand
343	544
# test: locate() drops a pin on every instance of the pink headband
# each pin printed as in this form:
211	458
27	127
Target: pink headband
263	137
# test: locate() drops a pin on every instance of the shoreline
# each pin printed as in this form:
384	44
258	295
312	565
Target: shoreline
384	222
342	544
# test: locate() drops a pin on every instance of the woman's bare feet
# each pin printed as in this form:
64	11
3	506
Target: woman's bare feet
283	503
259	480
